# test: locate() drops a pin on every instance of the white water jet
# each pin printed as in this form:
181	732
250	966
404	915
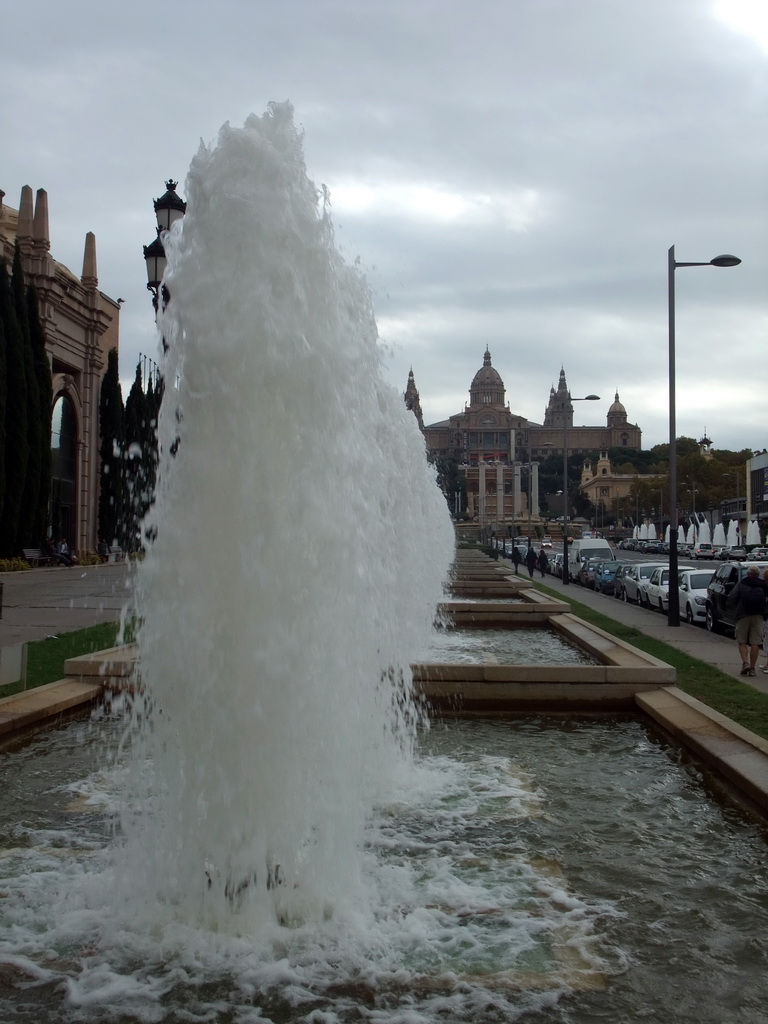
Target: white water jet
691	535
302	544
753	532
734	534
718	537
651	531
704	532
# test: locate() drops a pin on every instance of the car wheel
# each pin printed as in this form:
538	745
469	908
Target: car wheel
689	618
624	595
713	626
661	606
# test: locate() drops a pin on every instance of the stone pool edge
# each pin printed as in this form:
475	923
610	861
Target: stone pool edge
733	752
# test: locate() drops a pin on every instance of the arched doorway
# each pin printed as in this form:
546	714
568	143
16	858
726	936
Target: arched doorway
64	470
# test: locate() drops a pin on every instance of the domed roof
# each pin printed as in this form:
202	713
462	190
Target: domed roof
487	376
617	406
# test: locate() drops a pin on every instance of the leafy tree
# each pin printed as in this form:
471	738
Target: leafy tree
111	447
42	374
136	463
30	530
16	455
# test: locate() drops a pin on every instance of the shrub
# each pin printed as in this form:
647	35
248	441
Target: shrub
14	565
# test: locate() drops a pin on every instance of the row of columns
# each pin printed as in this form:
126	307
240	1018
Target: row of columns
501	470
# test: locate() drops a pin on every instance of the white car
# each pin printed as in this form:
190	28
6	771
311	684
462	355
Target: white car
692	586
546	541
703	551
653	592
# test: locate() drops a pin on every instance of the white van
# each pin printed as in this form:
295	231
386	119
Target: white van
593	547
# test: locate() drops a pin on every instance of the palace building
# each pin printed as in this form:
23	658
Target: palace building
81	325
493	444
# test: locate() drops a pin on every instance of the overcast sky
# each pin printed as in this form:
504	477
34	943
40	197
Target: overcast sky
510	173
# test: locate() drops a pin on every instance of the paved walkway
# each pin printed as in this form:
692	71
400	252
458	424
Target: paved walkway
47	602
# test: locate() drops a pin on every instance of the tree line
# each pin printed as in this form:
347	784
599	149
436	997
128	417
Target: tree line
26	398
128	455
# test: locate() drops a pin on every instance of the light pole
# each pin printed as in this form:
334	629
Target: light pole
566	569
673	614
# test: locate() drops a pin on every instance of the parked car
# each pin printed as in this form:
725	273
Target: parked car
718	615
605	576
556	564
586	573
653	591
686	550
758	555
632	577
703	551
617	584
692	587
738	554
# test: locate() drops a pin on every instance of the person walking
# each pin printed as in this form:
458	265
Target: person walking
530	560
748	598
543	563
516	559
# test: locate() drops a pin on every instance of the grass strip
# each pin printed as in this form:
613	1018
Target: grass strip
738	701
45	658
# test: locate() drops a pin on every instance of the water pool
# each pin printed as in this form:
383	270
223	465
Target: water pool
518	646
545	871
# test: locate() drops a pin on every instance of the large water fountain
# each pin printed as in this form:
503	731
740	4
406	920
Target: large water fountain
277	836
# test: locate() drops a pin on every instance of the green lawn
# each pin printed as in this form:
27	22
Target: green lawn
739	701
45	658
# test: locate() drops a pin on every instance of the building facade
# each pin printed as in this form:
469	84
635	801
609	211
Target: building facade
494	446
81	325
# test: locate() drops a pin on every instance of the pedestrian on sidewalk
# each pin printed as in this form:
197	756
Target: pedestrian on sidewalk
543	562
748	598
530	560
516	558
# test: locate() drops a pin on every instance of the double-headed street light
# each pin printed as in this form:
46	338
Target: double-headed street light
673	614
566	570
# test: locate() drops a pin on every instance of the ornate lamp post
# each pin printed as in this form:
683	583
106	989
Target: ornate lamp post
673	614
168	209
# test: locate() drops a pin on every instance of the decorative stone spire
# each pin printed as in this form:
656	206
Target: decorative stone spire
89	278
40	231
412	401
560	408
24	227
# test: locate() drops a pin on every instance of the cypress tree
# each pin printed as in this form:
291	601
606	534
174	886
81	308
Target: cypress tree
42	369
16	442
111	447
2	407
27	534
135	463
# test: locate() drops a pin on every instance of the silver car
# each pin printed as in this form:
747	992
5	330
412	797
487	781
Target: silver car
632	577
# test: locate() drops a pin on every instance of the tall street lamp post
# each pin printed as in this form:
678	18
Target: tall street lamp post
566	569
673	614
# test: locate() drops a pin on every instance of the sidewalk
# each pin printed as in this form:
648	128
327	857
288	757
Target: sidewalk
47	602
717	650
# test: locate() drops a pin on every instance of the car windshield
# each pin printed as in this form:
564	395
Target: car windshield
699	580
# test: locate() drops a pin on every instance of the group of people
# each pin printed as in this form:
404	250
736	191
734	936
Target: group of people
531	559
58	551
749	599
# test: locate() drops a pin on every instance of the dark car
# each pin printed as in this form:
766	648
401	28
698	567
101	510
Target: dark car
586	573
718	615
605	575
736	554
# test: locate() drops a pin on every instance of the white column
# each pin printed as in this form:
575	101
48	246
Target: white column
535	511
518	490
500	493
481	492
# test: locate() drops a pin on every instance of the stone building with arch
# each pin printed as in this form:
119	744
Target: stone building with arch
81	325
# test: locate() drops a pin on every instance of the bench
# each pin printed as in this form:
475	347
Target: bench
35	556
